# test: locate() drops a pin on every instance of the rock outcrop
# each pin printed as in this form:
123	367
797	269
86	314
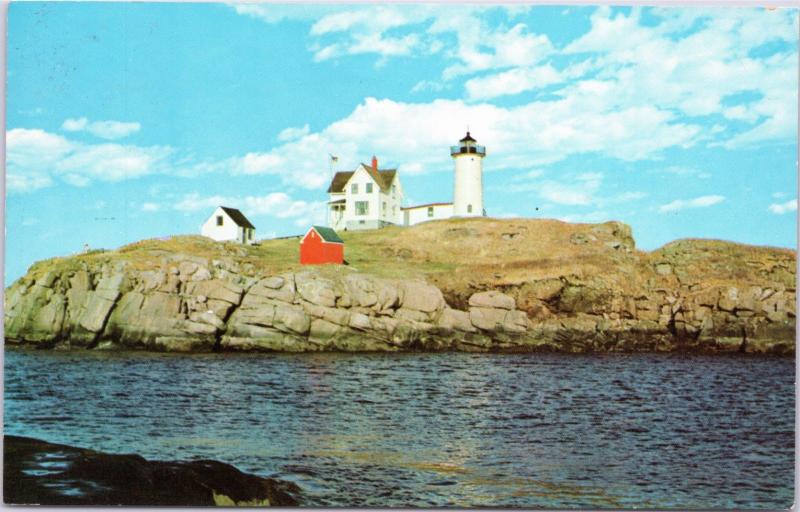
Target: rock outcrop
40	473
690	295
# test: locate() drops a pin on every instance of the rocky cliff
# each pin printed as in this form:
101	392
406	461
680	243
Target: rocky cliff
469	284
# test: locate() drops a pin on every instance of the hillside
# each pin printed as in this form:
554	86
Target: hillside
488	284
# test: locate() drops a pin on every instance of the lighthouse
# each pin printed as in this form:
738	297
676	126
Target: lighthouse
468	192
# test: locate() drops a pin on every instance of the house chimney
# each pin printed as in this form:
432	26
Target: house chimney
374	162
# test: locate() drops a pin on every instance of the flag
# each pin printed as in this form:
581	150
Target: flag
334	159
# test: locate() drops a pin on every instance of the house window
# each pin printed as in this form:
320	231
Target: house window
219	220
369	188
354	188
430	211
394	189
384	208
469	208
362	207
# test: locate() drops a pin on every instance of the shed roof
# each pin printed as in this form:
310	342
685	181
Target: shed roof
328	234
238	217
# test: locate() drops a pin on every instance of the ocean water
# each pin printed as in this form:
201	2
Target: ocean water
532	430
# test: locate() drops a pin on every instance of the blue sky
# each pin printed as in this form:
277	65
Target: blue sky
132	120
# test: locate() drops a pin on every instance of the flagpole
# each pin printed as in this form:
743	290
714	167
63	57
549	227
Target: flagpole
331	160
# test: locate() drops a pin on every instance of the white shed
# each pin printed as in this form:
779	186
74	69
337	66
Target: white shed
229	225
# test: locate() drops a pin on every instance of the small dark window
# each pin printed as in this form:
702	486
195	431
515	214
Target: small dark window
369	188
354	188
430	211
219	220
469	208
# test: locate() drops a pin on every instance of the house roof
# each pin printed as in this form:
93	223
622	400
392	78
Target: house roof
425	206
238	217
328	234
339	180
383	177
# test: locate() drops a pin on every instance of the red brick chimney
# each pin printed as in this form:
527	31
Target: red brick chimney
374	162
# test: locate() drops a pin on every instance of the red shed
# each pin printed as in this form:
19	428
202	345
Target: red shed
321	245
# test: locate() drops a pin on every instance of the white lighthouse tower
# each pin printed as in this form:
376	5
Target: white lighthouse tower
468	193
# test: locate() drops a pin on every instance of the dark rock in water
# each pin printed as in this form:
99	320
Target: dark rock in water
37	472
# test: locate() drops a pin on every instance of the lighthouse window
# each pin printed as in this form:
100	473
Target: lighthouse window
369	188
362	207
354	188
469	208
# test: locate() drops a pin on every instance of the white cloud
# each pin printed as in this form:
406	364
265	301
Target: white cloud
293	133
76	180
27	183
694	60
512	82
427	85
781	208
363	30
630	102
35	157
151	207
30	156
395	30
75	125
698	202
681	62
112	162
109	130
506	47
516	137
112	129
275	13
276	204
579	192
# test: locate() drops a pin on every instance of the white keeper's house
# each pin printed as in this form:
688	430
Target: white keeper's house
371	198
229	225
367	198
